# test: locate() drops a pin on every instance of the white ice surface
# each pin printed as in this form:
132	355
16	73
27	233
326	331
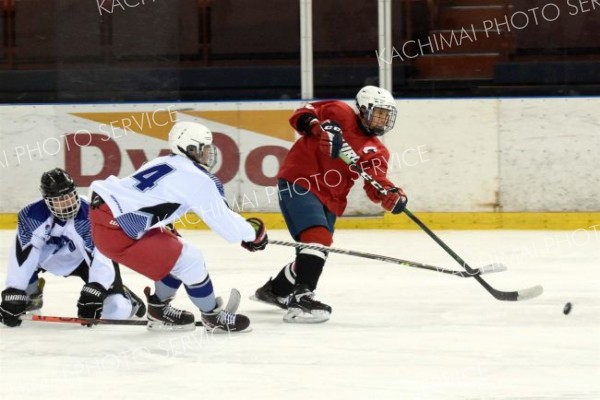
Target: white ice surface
395	332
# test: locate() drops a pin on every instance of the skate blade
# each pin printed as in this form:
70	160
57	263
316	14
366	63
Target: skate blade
221	331
158	326
297	316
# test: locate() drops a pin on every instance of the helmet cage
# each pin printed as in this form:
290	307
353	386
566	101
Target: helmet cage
202	153
378	119
377	110
64	207
60	194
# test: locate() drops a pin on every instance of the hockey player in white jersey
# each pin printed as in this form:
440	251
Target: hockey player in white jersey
53	235
129	217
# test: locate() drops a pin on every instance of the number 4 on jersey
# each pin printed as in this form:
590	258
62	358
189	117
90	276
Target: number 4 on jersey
147	178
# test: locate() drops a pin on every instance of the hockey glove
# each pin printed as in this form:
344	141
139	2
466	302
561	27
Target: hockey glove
14	302
395	200
91	300
308	124
331	139
261	236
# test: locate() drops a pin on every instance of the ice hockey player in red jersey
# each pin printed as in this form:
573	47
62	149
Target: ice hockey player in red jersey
314	183
130	219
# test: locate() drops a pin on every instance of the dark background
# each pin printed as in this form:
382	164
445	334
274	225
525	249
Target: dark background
187	50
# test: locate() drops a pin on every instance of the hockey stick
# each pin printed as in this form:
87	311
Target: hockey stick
350	157
523	294
87	321
475	272
232	306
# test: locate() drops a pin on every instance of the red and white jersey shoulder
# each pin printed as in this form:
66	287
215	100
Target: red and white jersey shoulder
164	190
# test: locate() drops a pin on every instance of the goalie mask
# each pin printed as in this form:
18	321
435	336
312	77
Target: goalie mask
194	141
60	194
376	109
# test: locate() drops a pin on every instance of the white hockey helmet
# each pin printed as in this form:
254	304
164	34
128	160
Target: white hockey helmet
194	141
377	109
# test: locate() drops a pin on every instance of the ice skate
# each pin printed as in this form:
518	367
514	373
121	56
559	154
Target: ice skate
163	316
303	308
265	294
224	320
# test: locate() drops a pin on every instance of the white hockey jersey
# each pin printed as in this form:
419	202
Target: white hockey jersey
164	190
59	247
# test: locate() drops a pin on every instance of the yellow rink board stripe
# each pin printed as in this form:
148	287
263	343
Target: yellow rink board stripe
434	220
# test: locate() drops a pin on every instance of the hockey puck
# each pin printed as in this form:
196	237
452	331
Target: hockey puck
567	309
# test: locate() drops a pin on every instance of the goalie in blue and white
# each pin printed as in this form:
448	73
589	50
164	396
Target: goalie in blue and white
54	235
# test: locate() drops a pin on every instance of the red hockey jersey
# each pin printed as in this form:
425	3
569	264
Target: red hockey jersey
330	180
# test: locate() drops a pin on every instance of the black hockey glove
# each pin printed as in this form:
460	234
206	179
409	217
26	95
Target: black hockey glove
91	300
331	139
14	302
261	236
307	124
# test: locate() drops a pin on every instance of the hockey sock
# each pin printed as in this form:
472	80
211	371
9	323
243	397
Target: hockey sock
202	295
166	287
309	265
284	281
309	262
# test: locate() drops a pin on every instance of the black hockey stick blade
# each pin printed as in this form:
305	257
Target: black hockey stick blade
518	295
495	267
524	294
